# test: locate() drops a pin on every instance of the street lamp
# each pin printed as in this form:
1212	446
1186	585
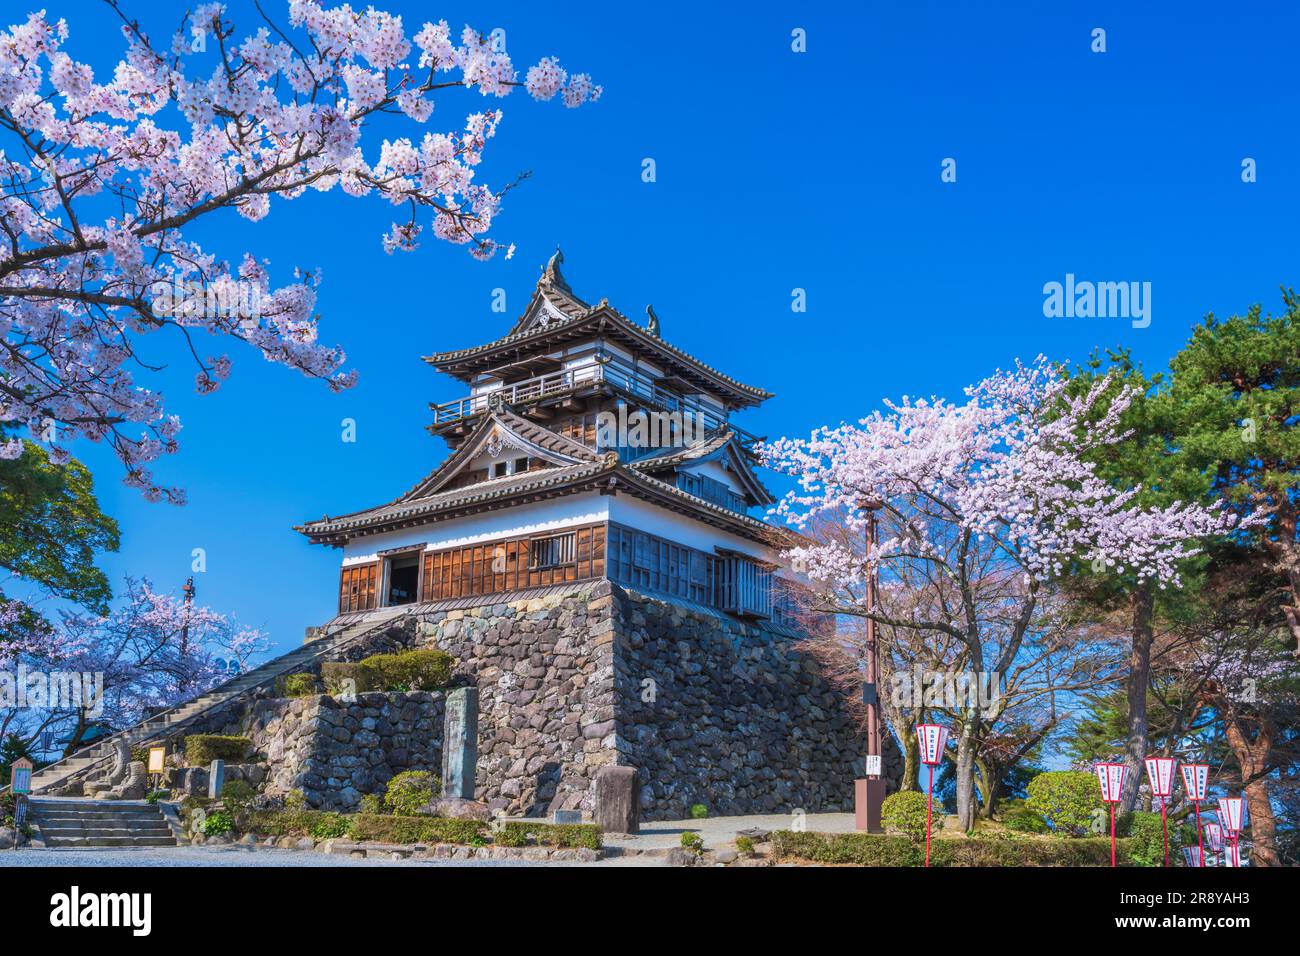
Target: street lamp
869	792
1196	781
1160	772
1230	813
932	739
1111	776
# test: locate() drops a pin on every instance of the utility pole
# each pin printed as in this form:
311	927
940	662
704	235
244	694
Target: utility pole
869	792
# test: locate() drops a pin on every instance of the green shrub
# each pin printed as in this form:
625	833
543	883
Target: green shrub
1066	799
406	671
865	849
699	811
372	803
217	823
409	791
202	749
237	794
330	826
304	684
692	842
1025	821
153	796
295	800
1146	837
905	812
397	829
335	674
279	823
744	846
567	835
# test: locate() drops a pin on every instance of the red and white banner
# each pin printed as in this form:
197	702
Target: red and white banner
1193	855
1111	777
1196	779
1160	773
1230	810
1232	854
932	739
1214	837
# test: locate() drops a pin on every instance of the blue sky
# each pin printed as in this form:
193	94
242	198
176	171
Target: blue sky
775	171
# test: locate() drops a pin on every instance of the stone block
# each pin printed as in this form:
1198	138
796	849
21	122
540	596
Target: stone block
618	800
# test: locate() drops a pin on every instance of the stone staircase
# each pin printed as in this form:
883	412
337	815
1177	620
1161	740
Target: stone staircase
83	823
70	771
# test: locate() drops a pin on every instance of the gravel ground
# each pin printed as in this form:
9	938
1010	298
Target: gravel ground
238	857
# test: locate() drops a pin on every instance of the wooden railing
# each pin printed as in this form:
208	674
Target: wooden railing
608	370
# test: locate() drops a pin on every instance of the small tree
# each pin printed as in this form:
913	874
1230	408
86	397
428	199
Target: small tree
1067	799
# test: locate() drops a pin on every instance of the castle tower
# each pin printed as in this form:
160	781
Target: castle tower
586	447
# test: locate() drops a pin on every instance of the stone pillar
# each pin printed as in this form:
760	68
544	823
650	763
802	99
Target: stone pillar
216	778
460	743
618	800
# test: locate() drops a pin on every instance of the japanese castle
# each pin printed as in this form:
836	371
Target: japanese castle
587	447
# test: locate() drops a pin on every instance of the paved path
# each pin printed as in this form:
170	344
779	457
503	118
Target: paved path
720	831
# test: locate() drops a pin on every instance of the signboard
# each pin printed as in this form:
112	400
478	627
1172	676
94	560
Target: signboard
1196	779
1111	776
21	775
20	814
1160	772
873	765
1214	837
931	738
157	759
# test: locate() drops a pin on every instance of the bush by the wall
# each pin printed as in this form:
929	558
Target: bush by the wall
407	670
202	749
1067	799
905	812
330	826
335	675
237	794
304	684
396	829
410	790
865	849
217	823
699	811
569	835
372	803
1025	821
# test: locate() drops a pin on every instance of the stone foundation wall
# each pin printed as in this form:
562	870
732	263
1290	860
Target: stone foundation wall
335	751
729	714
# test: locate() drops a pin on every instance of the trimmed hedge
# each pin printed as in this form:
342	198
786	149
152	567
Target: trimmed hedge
305	684
279	823
1067	799
567	835
202	749
392	829
864	849
905	813
404	671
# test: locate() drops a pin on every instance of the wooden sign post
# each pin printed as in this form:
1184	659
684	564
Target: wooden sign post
157	765
20	781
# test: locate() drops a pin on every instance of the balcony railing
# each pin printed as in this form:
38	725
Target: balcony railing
607	370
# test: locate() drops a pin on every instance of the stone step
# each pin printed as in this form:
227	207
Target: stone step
88	819
111	841
104	833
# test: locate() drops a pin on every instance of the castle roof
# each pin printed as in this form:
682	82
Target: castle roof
555	315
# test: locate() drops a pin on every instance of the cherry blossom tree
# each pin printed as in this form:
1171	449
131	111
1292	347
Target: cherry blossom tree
997	488
153	652
101	176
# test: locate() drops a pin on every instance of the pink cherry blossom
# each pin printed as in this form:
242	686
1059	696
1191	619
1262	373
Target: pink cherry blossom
278	112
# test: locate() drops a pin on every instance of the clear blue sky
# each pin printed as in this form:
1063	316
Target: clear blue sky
776	170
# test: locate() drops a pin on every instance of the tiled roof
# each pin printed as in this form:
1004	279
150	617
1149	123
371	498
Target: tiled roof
680	456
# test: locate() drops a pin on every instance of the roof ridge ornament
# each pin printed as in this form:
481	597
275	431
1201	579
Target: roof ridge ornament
551	274
652	326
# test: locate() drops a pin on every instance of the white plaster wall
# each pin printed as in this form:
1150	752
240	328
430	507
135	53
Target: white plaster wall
543	516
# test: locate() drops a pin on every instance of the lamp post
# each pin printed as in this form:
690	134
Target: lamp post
1230	812
1111	776
1196	779
1214	835
932	739
1160	773
869	792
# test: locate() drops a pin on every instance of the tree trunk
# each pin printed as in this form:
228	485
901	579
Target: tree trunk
987	781
1139	676
966	803
1252	756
